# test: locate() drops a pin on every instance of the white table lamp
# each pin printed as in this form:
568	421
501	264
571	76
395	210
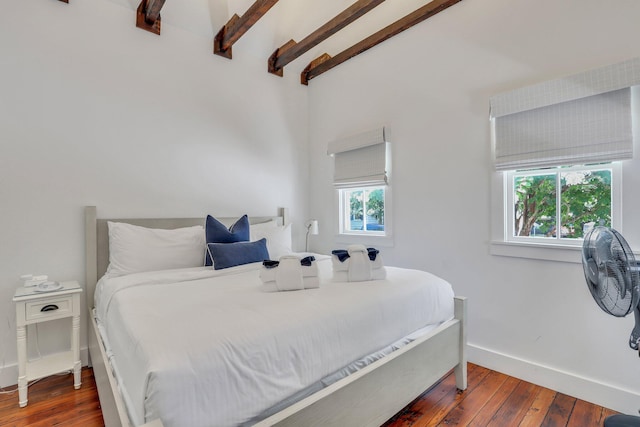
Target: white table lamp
312	228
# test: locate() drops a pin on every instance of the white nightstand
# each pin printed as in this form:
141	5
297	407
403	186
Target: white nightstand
34	307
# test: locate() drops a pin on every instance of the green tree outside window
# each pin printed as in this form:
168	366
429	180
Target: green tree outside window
585	200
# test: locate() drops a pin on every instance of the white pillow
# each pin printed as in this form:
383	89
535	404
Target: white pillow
258	229
134	249
278	238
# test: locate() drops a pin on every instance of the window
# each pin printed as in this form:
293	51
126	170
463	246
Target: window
362	165
542	207
362	211
558	205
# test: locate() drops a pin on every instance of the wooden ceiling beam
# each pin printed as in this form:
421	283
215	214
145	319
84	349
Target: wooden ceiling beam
237	26
148	15
292	50
325	62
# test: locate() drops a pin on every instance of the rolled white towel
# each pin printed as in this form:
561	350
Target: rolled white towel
311	282
270	286
310	270
310	279
359	263
307	282
342	261
289	274
377	263
297	274
339	265
376	274
268	275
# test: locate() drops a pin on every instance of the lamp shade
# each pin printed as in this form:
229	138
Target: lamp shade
312	226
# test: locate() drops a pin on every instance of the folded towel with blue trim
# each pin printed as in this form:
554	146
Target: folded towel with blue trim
357	264
290	273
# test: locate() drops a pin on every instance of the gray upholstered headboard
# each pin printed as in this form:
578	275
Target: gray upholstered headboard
97	238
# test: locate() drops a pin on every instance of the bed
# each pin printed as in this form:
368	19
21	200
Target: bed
369	395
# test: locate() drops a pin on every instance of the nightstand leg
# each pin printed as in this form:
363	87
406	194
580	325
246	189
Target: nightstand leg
75	346
21	332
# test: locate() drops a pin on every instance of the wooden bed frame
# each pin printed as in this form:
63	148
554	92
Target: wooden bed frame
368	397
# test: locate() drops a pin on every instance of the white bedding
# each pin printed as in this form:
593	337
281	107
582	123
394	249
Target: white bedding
204	347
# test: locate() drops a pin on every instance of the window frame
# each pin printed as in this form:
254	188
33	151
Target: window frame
380	238
509	204
344	209
503	243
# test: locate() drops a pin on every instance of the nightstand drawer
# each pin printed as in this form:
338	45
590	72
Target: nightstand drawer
49	308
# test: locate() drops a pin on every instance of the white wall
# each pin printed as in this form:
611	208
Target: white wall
431	86
94	111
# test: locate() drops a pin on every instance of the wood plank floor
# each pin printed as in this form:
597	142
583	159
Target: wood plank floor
491	399
54	402
495	399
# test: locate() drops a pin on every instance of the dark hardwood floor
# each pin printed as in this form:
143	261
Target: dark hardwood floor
495	399
54	402
491	399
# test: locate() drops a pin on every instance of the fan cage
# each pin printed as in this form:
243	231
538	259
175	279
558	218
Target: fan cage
611	271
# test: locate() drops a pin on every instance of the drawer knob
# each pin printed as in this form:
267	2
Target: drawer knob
50	307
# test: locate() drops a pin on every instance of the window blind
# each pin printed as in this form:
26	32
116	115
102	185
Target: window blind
585	118
361	160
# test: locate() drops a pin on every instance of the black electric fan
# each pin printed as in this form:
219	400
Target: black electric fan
612	276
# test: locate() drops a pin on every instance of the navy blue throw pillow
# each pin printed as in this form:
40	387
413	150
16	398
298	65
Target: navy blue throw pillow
227	255
217	232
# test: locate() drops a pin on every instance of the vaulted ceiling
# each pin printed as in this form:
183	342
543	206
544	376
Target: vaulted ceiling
301	36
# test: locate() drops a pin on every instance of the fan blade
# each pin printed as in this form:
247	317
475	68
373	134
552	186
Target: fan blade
591	270
621	281
612	274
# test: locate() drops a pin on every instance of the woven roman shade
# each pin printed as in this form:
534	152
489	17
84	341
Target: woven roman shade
361	160
580	119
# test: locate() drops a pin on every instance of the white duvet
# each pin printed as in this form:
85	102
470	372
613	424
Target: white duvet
200	347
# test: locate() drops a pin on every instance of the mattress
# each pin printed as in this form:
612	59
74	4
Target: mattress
202	347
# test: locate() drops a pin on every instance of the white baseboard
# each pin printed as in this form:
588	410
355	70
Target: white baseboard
599	393
9	373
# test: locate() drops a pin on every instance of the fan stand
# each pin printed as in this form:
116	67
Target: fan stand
627	420
605	251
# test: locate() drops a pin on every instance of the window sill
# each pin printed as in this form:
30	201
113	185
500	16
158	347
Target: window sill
542	251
